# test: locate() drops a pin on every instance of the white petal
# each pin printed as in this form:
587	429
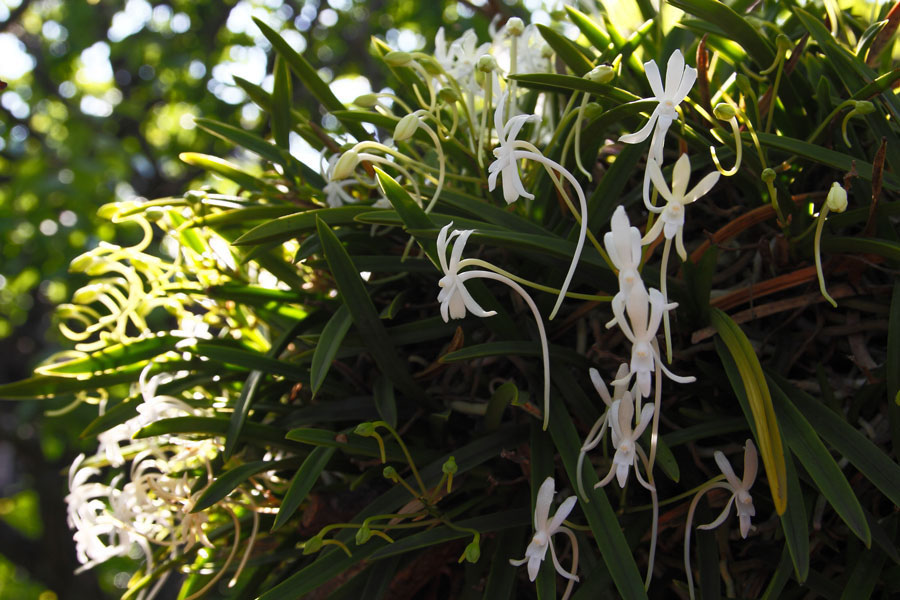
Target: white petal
659	182
644	132
751	464
681	174
654	79
561	513
600	386
721	518
542	504
702	188
674	73
726	469
684	88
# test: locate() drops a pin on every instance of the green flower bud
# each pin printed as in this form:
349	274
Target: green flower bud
366	429
768	175
449	467
515	26
397	58
109	210
724	111
472	552
366	100
345	166
406	128
863	107
390	472
783	43
86	295
81	263
313	545
486	63
601	74
362	535
837	198
448	95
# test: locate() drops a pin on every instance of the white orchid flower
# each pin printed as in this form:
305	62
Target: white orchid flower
740	489
508	152
459	58
544	529
671	219
455	298
644	312
625	440
335	190
623	245
680	79
595	436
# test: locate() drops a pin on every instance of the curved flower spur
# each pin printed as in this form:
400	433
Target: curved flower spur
508	152
455	299
544	529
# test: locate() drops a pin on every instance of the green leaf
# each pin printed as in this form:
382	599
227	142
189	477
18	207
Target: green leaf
48	386
282	99
328	345
353	293
826	474
385	403
752	386
295	225
823	156
229	170
249	389
872	462
307	74
591	31
215	426
505	395
734	25
227	482
502	577
413	216
794	522
858	245
571	53
253	361
569	83
113	357
601	518
349	444
302	483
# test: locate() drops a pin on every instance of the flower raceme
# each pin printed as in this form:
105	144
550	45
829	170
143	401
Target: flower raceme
455	298
680	79
544	529
671	216
625	440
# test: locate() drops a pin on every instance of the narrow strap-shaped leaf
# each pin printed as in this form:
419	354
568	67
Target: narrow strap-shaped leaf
352	444
385	402
282	98
502	576
570	52
48	386
229	170
249	389
858	245
591	31
734	25
795	522
826	474
752	386
780	578
225	483
372	331
328	345
892	373
570	83
302	483
865	575
113	357
872	462
307	74
292	226
264	434
601	518
254	361
412	214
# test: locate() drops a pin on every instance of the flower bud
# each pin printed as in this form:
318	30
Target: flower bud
81	263
783	43
448	95
406	128
724	111
472	552
546	51
486	63
366	100
109	210
863	107
312	545
449	467
390	472
86	295
837	198
601	74
362	535
345	165
768	175
366	429
397	58
515	26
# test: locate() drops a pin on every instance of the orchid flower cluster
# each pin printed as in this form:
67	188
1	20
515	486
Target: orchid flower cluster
281	303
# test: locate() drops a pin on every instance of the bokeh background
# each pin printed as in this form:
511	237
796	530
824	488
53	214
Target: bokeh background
98	102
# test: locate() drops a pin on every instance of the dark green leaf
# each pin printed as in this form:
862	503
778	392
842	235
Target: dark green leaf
302	483
326	349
